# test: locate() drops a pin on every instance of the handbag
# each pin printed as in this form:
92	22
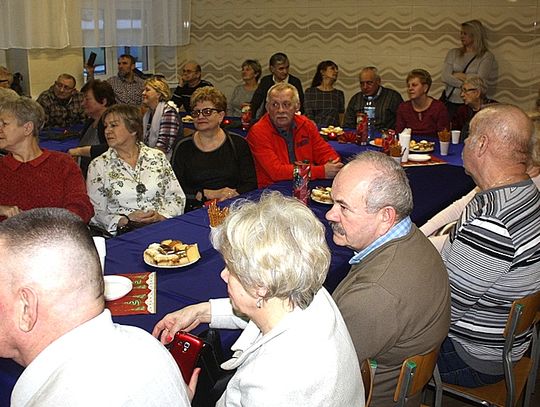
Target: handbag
213	379
444	97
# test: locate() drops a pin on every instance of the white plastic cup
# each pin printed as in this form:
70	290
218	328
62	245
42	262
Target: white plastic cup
445	145
405	141
99	242
456	135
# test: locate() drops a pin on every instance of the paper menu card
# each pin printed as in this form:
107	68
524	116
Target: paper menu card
140	300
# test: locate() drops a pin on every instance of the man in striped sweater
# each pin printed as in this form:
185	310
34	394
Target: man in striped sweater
493	254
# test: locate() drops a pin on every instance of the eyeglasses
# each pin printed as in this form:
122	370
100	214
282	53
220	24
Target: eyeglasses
464	90
205	112
368	83
61	86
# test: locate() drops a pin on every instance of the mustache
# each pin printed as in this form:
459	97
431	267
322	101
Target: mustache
337	228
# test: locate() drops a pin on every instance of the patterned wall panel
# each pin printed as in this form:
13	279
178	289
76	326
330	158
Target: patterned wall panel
395	35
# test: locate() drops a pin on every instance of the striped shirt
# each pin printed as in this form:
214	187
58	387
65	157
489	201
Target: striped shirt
493	258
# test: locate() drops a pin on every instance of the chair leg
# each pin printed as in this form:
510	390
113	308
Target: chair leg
535	355
438	387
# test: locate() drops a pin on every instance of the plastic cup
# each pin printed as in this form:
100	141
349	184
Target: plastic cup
99	242
445	145
405	141
456	135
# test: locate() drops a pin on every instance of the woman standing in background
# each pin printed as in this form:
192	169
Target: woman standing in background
472	58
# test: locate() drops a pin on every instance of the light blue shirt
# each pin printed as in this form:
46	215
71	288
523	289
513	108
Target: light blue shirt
397	231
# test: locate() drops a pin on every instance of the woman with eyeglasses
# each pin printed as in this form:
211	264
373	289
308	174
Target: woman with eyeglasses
473	92
472	58
161	122
212	164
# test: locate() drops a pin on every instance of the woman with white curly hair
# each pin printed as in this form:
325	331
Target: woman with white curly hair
295	348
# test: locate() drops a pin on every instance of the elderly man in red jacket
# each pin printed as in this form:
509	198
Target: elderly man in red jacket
281	137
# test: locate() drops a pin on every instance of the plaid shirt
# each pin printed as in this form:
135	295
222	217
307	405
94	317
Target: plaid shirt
61	113
127	92
397	231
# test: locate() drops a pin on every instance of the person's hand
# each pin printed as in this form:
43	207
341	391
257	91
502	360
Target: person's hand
146	216
460	76
90	70
220	194
332	167
192	386
186	319
9	211
79	151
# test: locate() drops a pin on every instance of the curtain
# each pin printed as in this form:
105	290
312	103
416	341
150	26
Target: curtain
93	23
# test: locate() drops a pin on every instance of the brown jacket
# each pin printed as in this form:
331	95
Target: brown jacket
396	304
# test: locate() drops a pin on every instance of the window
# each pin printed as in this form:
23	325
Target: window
141	54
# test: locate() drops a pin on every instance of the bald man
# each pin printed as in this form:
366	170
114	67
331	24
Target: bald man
493	253
54	323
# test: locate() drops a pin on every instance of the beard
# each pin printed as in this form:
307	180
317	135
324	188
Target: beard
337	228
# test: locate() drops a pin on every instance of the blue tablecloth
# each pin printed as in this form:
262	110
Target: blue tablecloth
434	187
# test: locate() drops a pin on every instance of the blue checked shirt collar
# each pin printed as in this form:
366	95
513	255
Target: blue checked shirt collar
399	230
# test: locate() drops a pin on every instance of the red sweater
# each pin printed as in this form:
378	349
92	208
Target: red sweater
51	180
271	156
428	123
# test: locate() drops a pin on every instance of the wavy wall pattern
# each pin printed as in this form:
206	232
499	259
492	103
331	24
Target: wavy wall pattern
395	35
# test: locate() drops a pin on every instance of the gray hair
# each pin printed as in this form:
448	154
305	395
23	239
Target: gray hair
25	110
478	83
7	94
281	87
509	128
389	188
277	244
371	69
49	230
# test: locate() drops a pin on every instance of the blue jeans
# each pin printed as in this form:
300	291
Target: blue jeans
454	370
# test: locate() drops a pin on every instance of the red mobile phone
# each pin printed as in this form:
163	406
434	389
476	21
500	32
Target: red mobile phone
185	349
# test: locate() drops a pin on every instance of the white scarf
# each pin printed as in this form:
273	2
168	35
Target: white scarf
151	133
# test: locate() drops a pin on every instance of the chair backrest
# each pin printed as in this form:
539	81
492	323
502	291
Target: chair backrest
523	316
416	372
526	309
367	369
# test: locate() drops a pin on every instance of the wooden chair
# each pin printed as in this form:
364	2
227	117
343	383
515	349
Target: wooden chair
416	372
367	369
523	316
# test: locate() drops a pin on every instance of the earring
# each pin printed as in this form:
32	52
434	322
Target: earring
259	302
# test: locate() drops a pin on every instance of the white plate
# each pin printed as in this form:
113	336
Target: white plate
316	199
116	287
424	150
171	267
372	143
419	157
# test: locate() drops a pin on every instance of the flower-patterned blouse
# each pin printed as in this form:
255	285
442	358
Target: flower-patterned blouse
115	188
